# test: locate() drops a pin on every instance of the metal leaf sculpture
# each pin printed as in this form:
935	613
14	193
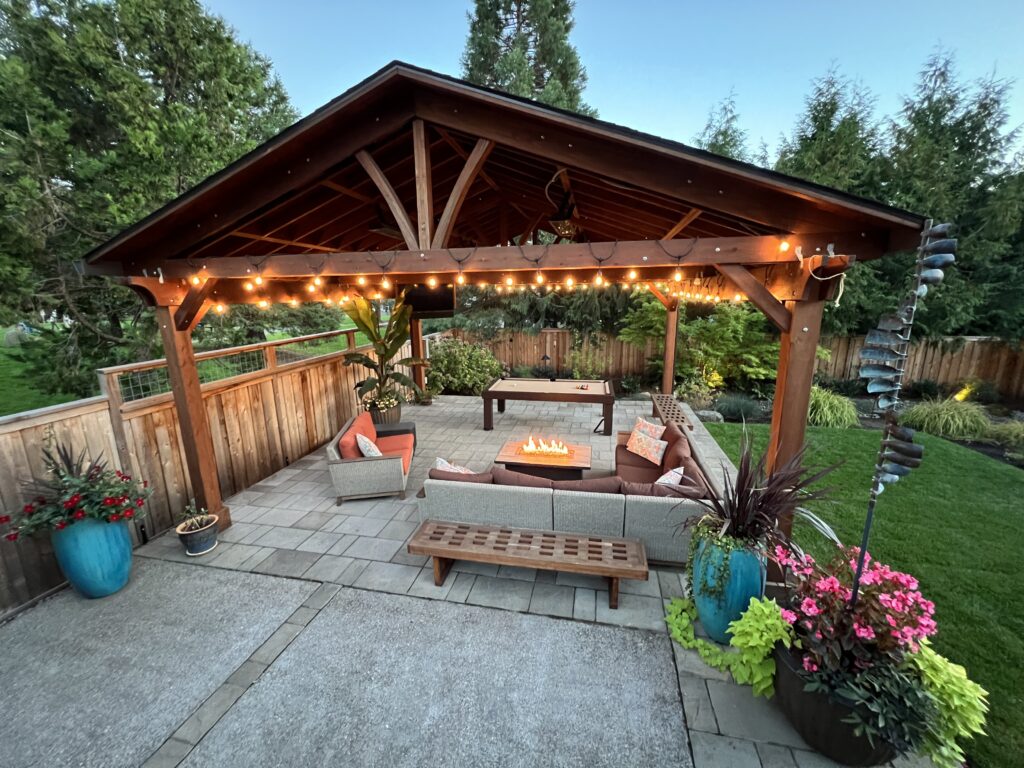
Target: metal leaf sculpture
885	358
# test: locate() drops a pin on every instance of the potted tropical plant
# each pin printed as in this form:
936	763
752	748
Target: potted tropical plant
380	392
86	508
197	531
860	682
730	544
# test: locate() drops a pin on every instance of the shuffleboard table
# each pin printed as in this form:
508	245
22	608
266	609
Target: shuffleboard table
551	390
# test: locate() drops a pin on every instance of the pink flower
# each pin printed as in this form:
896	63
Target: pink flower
810	665
788	616
809	607
828	585
863	632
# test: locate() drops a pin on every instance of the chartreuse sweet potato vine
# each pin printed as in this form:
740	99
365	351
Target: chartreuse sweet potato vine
754	635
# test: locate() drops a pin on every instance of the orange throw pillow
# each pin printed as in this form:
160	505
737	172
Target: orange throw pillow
361	425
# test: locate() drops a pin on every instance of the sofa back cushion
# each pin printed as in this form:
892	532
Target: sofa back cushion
678	447
361	425
508	477
486	478
589	485
662	490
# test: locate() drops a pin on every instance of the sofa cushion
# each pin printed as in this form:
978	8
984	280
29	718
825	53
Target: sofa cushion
398	445
646	446
649	428
461	477
508	477
629	473
626	458
677	450
361	425
590	485
658	489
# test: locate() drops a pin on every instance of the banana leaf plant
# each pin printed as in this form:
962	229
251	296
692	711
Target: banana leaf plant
387	343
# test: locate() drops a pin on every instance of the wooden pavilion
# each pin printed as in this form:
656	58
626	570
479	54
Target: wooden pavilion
412	177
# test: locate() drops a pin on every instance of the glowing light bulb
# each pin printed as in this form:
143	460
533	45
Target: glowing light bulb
784	246
737	297
247	285
317	281
293	302
376	295
361	280
483	283
632	274
262	303
461	279
385	284
432	281
258	279
677	276
195	280
311	288
539	278
328	301
220	309
509	281
599	279
569	282
498	288
717	299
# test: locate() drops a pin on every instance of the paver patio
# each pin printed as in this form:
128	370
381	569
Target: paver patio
500	665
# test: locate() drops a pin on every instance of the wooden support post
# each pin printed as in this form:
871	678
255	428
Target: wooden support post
797	361
424	185
671	331
416	342
195	428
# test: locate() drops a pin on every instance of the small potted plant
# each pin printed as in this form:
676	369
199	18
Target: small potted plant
85	507
381	387
728	562
197	531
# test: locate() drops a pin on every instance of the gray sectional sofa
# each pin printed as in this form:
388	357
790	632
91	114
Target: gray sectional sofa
656	521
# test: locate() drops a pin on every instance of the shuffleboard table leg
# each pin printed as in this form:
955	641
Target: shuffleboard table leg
613	592
488	414
441	567
609	414
501	406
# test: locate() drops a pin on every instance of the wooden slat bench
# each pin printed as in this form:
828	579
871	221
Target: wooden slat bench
604	556
666	408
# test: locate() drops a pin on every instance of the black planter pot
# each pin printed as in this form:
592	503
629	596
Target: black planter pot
818	718
390	416
200	541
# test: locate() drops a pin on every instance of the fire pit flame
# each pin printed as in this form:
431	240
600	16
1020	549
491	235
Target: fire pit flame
550	448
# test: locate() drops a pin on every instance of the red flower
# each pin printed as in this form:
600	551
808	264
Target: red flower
28	509
72	501
114	517
5	519
79	514
139	502
129	513
109	501
12	536
145	483
60	524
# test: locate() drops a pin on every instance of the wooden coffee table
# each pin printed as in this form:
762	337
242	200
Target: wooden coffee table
568	467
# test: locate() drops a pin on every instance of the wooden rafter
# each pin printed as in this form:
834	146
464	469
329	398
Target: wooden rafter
682	224
762	298
469	173
347	191
424	187
388	193
194	305
282	241
528	232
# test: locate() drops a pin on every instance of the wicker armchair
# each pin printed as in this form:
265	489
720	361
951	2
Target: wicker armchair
364	477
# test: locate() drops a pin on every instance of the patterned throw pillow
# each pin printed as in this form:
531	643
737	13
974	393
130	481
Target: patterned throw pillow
646	446
367	447
649	428
672	477
447	466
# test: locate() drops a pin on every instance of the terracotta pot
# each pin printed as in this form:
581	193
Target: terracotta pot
818	718
390	416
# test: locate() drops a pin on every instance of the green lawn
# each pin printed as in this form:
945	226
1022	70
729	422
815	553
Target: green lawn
17	391
956	524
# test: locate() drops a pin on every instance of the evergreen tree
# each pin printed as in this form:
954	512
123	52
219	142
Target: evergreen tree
522	47
108	110
722	134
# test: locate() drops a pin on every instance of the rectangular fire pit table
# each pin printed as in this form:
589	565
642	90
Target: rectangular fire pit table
547	550
557	391
554	467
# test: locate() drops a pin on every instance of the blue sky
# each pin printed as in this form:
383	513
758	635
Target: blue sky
657	66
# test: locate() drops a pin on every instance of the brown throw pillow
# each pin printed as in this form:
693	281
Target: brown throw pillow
661	490
461	477
590	485
508	477
674	434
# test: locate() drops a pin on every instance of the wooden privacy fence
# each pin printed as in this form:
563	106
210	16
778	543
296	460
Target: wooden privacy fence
268	404
947	361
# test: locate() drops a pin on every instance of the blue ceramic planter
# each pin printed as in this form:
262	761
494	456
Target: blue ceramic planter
95	556
719	604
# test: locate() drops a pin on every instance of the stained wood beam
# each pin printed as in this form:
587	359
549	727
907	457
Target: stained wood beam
390	197
283	241
528	232
761	297
194	305
348	191
469	173
668	373
461	152
682	224
665	301
749	250
424	187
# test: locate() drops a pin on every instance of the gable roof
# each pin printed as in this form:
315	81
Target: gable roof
303	191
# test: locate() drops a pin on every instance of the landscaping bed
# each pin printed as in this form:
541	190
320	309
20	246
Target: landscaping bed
955	524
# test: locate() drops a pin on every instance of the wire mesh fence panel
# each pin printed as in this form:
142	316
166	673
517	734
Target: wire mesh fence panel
136	385
217	368
303	350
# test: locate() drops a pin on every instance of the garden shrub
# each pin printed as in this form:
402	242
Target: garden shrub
830	409
586	362
695	393
981	391
922	389
738	407
949	418
460	368
846	387
1009	434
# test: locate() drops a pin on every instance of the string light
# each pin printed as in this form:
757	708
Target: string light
220	309
509	281
385	283
677	276
632	274
784	246
262	303
717	299
293	302
483	284
317	281
328	301
258	279
737	298
376	295
195	280
460	279
247	285
599	279
432	281
361	280
569	282
497	288
539	279
311	288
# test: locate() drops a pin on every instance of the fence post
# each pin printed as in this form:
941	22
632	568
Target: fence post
110	387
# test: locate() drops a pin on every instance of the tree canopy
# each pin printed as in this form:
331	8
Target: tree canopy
522	47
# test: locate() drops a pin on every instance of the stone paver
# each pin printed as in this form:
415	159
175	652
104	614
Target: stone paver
400	530
775	756
320	542
387	577
584	604
367	548
501	593
287	562
633	611
461	587
204	718
711	751
552	600
361	526
745	716
328	568
700	715
424	586
314	521
283	538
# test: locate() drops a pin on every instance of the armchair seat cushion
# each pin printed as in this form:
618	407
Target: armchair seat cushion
626	458
398	445
361	425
